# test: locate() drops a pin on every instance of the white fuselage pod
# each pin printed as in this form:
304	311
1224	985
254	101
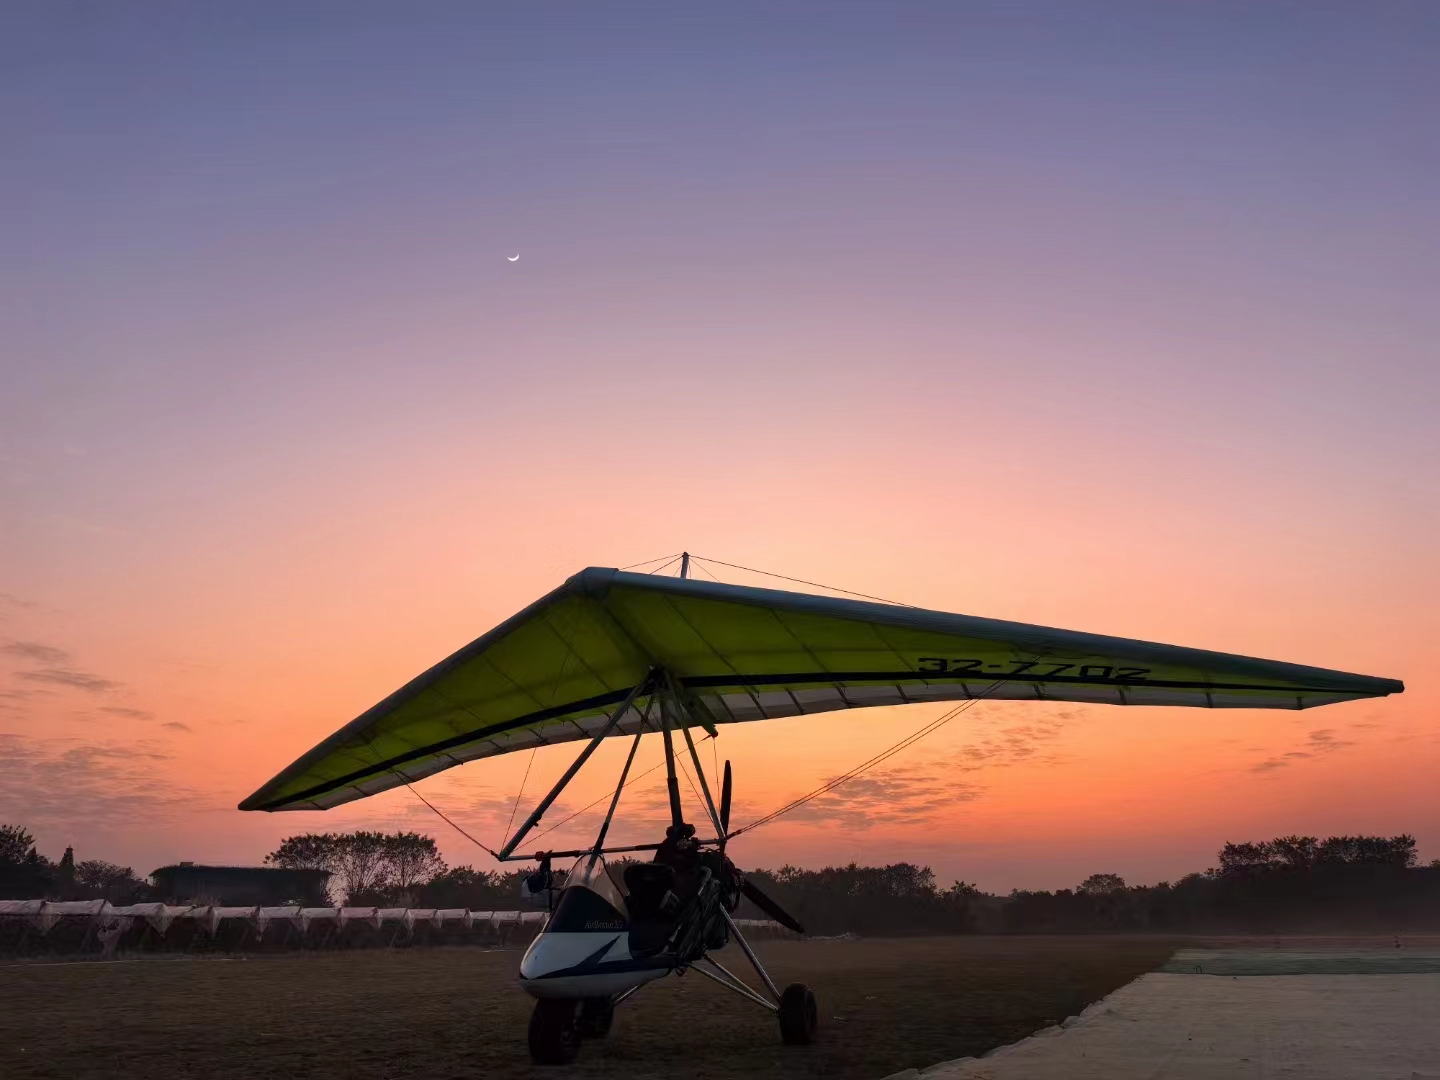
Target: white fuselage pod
583	964
584	949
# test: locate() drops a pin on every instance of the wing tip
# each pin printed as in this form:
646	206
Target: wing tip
592	580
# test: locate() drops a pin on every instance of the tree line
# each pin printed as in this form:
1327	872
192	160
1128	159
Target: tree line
1291	883
1283	883
400	869
1288	883
25	874
868	900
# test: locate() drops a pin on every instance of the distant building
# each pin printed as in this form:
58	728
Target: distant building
240	886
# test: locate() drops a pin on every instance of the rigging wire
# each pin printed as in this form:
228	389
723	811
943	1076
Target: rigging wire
516	806
662	569
452	824
884	755
711	573
370	745
647	562
597	802
693	788
799	581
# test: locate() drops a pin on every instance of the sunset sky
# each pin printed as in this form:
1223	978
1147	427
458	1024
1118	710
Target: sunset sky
1114	317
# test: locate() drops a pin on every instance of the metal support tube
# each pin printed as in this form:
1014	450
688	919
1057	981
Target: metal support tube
624	994
704	787
750	954
677	814
577	852
605	825
735	978
736	986
555	791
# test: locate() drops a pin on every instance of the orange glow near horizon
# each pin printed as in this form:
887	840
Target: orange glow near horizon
233	675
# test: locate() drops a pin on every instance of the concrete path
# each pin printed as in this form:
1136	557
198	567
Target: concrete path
1168	1026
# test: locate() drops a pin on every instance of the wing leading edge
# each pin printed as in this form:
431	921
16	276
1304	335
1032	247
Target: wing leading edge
557	670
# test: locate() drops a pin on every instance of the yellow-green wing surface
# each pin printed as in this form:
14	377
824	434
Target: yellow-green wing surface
557	670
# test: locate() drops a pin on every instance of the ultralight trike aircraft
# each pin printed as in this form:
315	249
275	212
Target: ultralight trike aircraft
613	653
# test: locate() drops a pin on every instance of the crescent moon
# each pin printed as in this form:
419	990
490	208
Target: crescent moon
512	258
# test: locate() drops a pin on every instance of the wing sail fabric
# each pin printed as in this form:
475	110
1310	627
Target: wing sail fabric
556	671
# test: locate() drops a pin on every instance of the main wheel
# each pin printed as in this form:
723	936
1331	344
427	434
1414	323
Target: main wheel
596	1017
799	1015
554	1036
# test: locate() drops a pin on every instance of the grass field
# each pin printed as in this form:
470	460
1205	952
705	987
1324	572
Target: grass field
458	1012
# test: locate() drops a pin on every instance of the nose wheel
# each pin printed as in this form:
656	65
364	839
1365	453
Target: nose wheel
596	1017
554	1031
558	1024
799	1015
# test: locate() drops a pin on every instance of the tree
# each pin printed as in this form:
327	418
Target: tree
361	865
1102	885
310	851
307	851
65	868
1244	858
478	890
104	880
16	845
1300	854
410	860
24	872
367	867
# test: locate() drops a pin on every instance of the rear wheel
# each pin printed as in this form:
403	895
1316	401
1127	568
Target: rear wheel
554	1036
596	1017
799	1015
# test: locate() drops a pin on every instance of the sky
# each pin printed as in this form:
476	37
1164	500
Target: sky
1113	317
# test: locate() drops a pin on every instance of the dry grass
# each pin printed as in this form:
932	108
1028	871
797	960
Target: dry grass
458	1012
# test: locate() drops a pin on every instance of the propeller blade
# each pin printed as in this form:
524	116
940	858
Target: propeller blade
725	792
770	907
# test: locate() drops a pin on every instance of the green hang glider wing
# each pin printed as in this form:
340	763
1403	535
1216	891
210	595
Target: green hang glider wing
557	670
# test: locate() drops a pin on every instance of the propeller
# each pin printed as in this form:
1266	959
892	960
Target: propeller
726	789
752	892
748	888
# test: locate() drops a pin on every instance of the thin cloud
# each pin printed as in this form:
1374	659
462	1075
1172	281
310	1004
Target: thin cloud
77	680
34	650
903	796
1325	741
173	725
1017	744
133	714
53	783
1318	743
10	604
